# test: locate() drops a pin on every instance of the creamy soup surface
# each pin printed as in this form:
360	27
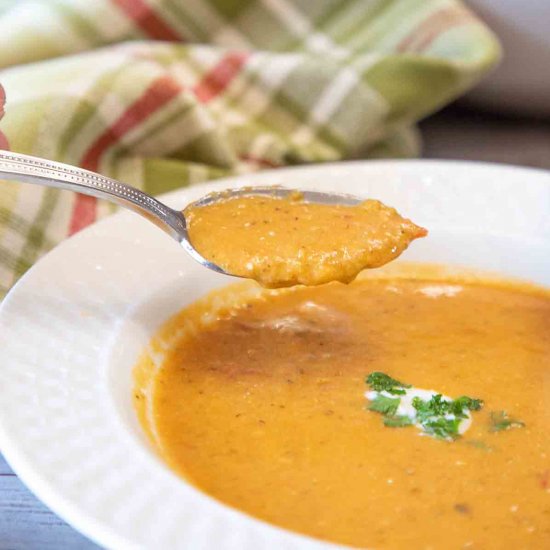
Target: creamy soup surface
260	402
285	241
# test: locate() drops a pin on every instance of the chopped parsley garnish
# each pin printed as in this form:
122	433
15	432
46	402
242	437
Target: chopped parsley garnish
441	427
501	421
434	407
378	381
442	417
478	444
466	402
398	421
437	416
385	405
437	406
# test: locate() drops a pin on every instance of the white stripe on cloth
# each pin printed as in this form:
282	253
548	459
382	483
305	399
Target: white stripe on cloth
299	25
172	136
332	97
402	17
99	12
363	62
40	19
344	23
261	145
111	107
41	84
272	69
243	101
205	58
183	73
327	104
228	36
293	19
335	92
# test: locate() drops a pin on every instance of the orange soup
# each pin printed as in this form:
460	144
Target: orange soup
405	410
286	241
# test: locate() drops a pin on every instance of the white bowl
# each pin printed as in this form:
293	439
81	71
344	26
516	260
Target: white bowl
72	328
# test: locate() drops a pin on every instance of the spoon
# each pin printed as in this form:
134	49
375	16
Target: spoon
29	169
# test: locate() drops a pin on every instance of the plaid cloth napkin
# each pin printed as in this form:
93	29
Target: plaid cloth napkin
164	93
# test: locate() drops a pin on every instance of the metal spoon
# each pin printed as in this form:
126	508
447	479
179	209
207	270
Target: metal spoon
28	169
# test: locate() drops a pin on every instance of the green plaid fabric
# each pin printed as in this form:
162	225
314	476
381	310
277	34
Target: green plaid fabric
166	93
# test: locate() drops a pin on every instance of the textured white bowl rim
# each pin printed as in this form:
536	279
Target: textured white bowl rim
60	427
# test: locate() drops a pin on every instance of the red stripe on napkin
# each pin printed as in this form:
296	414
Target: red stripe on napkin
161	91
158	94
217	80
84	213
147	20
435	25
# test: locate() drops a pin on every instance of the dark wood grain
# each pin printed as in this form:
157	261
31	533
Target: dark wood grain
26	524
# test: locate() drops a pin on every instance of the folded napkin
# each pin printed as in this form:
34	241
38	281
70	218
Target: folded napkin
164	93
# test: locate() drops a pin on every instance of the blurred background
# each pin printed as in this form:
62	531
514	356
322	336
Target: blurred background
506	118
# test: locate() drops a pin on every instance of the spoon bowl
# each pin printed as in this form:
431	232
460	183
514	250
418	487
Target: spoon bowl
279	192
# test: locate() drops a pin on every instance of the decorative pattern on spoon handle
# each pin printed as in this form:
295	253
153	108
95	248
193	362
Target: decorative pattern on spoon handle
29	169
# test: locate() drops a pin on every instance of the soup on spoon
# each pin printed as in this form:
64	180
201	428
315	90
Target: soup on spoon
285	241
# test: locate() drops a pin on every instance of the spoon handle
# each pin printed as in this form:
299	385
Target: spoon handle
28	169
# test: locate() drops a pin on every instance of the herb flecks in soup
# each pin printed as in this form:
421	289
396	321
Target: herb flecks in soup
258	398
501	421
286	241
434	414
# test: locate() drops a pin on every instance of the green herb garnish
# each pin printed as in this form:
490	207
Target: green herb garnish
378	381
441	427
466	402
501	421
434	407
385	405
437	406
442	417
398	421
438	416
478	444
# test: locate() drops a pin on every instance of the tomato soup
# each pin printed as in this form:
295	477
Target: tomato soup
290	406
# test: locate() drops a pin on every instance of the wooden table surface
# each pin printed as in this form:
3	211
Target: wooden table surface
26	524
